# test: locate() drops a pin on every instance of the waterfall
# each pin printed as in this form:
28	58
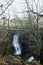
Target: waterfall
16	45
31	59
18	48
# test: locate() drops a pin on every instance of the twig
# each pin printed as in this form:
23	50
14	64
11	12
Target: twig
3	37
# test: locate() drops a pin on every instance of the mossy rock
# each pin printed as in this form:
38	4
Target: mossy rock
11	60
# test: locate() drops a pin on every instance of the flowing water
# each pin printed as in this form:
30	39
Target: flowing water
31	59
16	45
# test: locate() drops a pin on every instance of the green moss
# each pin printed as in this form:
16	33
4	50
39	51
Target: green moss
7	60
12	60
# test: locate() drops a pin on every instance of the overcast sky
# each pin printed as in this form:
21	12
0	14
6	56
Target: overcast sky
17	6
20	5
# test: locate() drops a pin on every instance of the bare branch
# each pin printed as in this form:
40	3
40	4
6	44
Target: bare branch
41	15
8	4
3	37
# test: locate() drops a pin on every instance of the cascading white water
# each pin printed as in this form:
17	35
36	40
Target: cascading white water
31	59
16	45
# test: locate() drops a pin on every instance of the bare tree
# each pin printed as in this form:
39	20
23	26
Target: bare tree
35	13
6	6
